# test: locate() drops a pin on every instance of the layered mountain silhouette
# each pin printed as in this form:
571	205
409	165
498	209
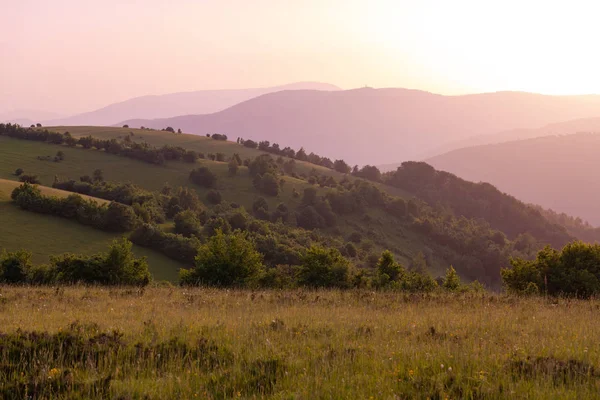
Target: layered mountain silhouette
560	128
26	117
169	105
557	172
378	126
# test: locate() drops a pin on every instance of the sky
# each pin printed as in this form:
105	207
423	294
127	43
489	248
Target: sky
70	56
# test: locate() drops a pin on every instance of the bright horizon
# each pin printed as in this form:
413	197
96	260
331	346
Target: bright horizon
68	57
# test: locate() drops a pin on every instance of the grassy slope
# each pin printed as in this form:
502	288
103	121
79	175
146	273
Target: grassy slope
46	235
200	144
14	153
330	345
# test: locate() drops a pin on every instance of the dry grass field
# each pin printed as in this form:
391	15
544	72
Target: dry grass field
171	342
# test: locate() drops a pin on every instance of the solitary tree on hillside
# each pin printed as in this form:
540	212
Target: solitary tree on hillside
98	175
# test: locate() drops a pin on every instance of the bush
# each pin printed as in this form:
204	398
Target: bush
120	218
14	267
451	280
19	171
573	271
233	167
190	156
267	184
214	197
116	217
204	177
117	267
174	246
226	260
324	267
32	179
387	266
187	224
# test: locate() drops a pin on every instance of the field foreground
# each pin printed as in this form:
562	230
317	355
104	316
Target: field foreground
160	343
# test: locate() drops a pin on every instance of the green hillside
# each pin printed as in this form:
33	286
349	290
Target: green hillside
45	235
379	230
423	227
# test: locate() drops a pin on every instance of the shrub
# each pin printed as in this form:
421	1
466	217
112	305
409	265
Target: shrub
174	246
120	218
233	167
386	265
226	260
32	179
324	267
14	267
187	224
267	184
190	156
204	177
309	218
19	171
214	197
451	280
117	267
573	271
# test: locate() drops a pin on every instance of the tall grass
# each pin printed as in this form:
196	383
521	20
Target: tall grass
203	343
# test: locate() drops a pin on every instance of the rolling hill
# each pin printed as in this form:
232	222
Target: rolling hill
379	126
560	128
557	172
173	104
441	233
46	235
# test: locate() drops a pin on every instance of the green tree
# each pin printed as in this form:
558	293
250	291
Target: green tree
233	167
14	267
98	176
451	280
225	260
187	224
341	166
204	177
386	265
324	267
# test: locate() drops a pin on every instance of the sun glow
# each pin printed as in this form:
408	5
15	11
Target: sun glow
538	46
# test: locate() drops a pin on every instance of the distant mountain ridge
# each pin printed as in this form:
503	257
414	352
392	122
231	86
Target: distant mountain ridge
27	117
591	125
378	126
556	172
173	104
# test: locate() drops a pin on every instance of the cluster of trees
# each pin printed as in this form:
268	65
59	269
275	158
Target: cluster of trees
126	147
573	271
154	207
114	217
118	266
234	259
217	136
476	200
367	172
174	246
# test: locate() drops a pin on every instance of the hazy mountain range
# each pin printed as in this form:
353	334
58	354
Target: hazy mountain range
378	126
173	104
557	172
26	117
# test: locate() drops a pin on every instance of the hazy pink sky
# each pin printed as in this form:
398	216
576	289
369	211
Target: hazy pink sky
74	55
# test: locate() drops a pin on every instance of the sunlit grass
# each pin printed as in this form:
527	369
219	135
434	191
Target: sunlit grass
321	344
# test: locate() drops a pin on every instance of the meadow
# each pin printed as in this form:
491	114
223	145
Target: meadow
45	235
24	154
167	342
